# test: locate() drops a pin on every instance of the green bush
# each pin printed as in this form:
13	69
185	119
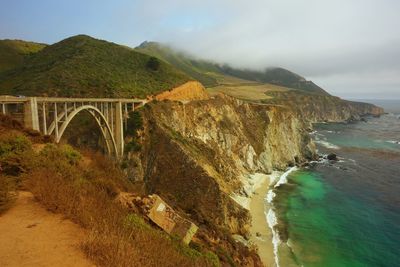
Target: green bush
133	146
15	153
134	123
153	63
57	153
13	143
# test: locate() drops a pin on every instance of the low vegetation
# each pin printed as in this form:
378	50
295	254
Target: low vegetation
83	187
196	69
84	66
13	53
211	74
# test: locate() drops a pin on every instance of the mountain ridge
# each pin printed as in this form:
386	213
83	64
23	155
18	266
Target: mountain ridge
13	52
207	72
84	66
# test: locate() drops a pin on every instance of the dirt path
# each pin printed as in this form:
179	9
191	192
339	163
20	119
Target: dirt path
32	236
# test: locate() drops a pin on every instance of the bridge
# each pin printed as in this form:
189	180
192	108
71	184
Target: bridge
52	115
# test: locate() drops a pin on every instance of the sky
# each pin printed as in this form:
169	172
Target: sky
351	48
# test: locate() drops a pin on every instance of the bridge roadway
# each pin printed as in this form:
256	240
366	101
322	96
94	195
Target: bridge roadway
52	115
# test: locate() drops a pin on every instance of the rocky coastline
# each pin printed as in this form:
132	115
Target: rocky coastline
220	147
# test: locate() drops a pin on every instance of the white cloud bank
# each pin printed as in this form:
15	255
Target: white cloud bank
350	47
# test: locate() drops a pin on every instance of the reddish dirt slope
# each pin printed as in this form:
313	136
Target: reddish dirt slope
32	236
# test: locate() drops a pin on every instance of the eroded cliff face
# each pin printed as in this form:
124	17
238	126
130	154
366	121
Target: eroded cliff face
200	154
318	108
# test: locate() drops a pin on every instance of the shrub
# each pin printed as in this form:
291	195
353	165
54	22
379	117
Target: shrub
57	153
153	63
15	153
133	146
134	123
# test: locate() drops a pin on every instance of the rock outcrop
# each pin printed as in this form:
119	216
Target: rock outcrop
201	156
201	153
317	108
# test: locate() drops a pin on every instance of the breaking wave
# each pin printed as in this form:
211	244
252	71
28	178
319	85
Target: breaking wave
326	144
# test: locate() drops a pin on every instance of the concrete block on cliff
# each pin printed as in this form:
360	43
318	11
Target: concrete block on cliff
170	221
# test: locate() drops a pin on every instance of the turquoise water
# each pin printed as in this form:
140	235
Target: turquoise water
346	213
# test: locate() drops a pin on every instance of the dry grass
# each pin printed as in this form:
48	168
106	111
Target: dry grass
83	188
7	192
85	193
249	92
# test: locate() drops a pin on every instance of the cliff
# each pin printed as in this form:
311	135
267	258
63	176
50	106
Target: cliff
317	108
200	156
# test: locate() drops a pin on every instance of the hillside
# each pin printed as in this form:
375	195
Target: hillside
13	52
200	70
62	185
212	74
84	66
276	76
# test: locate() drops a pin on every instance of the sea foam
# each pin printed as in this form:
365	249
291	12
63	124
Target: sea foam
270	196
283	179
327	144
270	215
272	221
393	142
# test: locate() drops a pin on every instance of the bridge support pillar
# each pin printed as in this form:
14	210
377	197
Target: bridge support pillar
31	115
119	130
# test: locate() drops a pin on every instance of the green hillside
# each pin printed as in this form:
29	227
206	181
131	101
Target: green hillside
13	52
84	66
200	70
210	73
277	76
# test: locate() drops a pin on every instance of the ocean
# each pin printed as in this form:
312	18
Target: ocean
345	213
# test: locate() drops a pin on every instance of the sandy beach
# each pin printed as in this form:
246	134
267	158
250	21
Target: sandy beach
261	234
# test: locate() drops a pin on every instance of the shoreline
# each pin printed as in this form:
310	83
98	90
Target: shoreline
261	234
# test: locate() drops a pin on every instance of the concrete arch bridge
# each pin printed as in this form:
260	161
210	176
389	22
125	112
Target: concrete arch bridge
52	115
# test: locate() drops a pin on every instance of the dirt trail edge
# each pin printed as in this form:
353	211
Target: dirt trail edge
32	236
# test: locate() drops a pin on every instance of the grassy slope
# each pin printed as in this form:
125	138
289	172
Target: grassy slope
211	74
84	66
13	52
84	190
198	69
276	76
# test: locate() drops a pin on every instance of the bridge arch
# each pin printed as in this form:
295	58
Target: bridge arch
101	122
52	115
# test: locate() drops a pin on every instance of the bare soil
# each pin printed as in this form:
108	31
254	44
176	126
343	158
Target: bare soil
32	236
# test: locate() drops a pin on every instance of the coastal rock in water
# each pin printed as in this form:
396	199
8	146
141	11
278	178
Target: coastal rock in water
332	156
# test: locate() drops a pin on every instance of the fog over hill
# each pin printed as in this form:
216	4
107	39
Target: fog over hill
350	48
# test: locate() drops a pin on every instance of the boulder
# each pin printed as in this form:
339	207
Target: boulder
169	220
158	211
332	156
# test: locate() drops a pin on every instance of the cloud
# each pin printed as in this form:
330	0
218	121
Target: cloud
340	44
336	42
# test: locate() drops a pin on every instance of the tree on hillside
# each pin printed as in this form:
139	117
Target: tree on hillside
153	63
